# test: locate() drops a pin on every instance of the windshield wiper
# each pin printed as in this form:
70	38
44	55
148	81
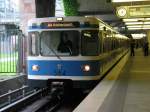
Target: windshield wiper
52	50
55	53
49	49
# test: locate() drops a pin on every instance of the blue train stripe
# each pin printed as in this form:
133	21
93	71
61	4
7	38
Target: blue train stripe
64	68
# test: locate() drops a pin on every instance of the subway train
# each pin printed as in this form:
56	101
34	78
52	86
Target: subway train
78	50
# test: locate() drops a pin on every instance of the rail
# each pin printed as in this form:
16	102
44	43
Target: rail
13	107
12	95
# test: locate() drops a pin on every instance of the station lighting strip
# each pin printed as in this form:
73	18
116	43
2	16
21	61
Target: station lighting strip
139	28
136	19
137	23
138	36
116	1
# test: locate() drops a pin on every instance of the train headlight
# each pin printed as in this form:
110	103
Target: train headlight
86	68
35	68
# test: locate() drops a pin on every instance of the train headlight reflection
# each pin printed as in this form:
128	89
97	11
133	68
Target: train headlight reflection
86	68
35	68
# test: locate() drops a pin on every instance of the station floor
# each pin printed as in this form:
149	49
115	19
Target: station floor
125	89
131	91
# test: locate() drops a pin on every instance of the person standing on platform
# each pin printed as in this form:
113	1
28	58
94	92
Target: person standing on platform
132	45
146	47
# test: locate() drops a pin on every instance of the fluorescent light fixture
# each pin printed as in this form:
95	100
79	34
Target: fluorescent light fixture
144	28
120	36
137	23
134	23
146	22
130	20
128	0
138	36
139	28
135	26
146	18
136	20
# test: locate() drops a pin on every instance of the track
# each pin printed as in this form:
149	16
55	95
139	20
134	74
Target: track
47	100
70	101
18	104
57	102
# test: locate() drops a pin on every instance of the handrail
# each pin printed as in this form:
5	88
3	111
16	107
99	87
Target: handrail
13	91
13	105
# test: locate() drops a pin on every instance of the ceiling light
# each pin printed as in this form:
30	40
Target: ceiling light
134	20
146	22
138	36
128	0
146	26
146	18
135	26
134	23
130	20
137	23
140	28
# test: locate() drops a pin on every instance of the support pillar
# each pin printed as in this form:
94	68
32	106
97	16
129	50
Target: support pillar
148	37
27	10
148	40
35	8
45	8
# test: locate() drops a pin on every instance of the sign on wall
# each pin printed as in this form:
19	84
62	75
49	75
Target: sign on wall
133	11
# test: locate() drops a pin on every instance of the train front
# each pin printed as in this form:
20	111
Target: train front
62	55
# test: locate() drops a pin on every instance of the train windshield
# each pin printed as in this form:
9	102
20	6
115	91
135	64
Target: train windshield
90	43
62	43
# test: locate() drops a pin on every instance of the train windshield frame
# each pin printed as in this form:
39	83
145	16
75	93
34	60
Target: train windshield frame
49	43
33	45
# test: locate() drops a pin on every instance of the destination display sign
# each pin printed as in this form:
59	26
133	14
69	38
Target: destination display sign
60	24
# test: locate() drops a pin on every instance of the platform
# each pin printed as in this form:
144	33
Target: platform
128	91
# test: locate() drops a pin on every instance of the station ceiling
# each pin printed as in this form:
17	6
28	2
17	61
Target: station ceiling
106	10
103	9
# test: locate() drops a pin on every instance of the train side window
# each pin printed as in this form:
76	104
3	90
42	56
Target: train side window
90	43
100	35
104	45
33	46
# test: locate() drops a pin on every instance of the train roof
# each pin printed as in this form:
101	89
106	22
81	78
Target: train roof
64	19
83	21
